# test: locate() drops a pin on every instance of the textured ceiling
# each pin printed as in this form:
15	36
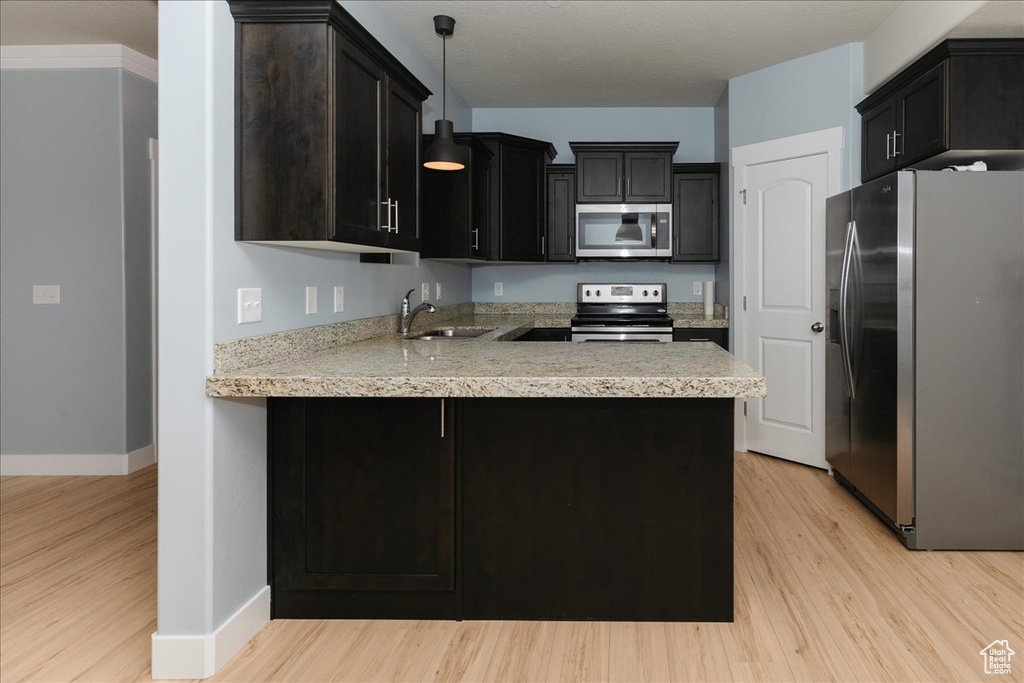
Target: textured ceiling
85	22
614	53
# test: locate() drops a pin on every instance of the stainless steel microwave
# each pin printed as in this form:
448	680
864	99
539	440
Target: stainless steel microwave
623	230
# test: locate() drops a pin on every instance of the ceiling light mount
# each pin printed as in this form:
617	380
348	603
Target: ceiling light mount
443	154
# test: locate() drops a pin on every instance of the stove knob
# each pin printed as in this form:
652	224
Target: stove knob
588	292
645	292
599	292
655	292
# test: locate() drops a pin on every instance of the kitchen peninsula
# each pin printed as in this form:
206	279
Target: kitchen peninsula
485	478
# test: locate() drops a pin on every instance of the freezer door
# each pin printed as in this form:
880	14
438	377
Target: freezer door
873	339
837	392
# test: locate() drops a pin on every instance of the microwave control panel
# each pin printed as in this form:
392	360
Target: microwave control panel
619	293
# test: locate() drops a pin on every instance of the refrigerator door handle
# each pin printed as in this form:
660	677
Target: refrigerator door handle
844	286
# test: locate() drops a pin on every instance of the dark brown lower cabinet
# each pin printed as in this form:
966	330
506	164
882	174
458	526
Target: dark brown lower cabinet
718	335
589	508
362	508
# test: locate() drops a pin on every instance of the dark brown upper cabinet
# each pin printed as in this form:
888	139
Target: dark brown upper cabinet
457	205
561	213
961	102
327	131
623	172
695	213
497	208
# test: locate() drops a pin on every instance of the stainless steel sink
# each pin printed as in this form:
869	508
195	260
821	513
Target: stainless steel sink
456	333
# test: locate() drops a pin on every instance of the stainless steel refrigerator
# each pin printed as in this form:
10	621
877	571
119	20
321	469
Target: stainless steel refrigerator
925	354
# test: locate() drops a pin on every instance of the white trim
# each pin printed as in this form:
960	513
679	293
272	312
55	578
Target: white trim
202	656
86	464
78	57
828	142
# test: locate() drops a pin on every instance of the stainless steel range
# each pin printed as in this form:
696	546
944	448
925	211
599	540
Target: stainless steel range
611	311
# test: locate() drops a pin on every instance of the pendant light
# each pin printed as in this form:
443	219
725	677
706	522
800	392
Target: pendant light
443	154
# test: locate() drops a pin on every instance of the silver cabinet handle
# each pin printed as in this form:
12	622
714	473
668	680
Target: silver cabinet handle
888	139
895	152
396	216
543	244
387	226
618	185
442	418
629	186
817	327
476	238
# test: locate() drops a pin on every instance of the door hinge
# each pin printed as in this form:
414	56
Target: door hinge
744	409
744	193
744	302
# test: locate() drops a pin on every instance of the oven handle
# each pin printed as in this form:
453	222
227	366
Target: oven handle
622	336
635	329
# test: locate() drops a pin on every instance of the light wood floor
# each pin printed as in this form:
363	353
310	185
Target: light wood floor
823	592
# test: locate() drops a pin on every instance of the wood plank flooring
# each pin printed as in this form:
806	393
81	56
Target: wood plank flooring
824	592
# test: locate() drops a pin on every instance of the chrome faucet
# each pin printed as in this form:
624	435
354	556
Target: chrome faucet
407	315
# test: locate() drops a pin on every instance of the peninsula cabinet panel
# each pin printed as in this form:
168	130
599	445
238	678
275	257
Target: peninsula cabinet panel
362	514
577	518
327	131
695	218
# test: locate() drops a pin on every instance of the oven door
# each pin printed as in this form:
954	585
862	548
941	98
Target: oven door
623	230
629	334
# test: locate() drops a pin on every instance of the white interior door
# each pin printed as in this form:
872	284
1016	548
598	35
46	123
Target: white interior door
784	274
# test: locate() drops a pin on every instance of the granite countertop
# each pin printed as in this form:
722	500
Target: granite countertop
494	366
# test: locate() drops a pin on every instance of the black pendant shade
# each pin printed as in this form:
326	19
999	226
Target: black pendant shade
443	154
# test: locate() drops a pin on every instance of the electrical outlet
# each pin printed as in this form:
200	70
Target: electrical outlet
698	288
437	291
339	299
46	294
250	305
425	291
499	289
310	300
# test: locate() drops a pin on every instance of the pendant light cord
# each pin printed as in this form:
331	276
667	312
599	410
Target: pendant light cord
444	77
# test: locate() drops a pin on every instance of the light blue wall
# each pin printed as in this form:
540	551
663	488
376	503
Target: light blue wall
693	127
802	95
75	378
549	282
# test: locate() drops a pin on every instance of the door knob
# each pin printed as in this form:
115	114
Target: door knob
817	327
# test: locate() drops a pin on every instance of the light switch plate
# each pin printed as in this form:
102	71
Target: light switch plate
698	288
46	294
499	289
339	299
250	305
310	300
425	291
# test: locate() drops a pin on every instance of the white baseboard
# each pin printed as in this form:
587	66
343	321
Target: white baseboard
78	57
182	657
86	464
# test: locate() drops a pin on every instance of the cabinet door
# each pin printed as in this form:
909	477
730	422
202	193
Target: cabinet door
561	223
877	126
648	177
480	208
695	227
403	167
362	514
598	177
359	146
522	204
921	111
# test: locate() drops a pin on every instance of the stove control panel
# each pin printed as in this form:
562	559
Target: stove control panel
616	292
